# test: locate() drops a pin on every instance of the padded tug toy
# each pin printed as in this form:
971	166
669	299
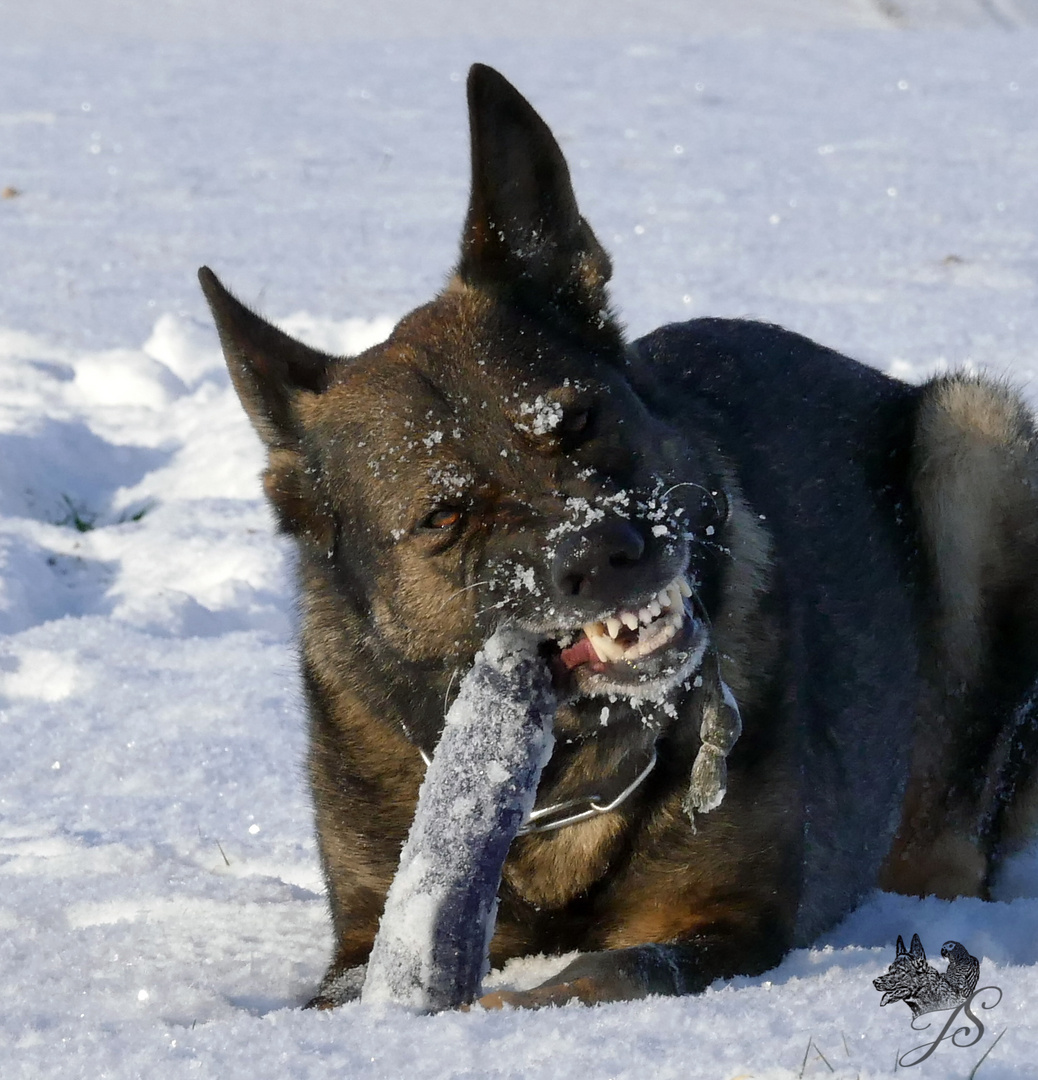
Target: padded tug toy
431	951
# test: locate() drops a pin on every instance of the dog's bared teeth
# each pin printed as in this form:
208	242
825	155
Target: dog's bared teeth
656	624
654	641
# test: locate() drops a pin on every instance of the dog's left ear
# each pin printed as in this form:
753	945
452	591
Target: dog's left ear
271	371
268	368
524	234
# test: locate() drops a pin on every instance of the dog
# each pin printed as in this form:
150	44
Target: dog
923	988
858	556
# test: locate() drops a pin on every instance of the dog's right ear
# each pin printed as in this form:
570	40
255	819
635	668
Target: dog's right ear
916	951
524	234
268	368
901	950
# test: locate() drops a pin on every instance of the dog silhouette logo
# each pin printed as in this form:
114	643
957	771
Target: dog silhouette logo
925	989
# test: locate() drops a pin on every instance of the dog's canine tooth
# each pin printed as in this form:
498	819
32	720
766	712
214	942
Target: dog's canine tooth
613	625
629	619
684	587
674	592
598	644
606	649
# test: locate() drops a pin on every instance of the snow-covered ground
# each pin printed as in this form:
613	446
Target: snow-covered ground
161	908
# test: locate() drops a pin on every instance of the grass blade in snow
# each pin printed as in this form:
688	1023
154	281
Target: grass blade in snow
431	948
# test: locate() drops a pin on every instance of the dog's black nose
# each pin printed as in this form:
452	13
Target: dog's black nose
596	563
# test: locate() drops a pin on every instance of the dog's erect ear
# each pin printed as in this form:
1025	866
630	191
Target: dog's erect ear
524	232
901	950
270	370
268	367
916	951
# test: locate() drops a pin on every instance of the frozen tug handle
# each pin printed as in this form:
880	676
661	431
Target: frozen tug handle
432	947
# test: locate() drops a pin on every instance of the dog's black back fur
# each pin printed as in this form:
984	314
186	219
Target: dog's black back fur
808	431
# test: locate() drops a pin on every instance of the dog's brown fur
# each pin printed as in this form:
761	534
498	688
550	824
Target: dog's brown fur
973	479
864	553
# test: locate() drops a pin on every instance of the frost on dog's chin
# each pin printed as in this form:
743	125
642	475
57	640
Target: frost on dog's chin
431	951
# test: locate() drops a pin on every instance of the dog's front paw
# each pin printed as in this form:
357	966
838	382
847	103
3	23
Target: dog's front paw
557	993
338	987
599	977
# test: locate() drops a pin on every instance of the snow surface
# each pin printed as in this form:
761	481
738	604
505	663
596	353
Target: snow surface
162	911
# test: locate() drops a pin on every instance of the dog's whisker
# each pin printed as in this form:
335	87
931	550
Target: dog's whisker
493	607
447	692
688	483
711	545
464	588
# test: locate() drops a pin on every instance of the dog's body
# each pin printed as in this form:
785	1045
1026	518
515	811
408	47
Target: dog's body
860	556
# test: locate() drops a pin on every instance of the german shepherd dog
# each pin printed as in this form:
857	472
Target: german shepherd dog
860	557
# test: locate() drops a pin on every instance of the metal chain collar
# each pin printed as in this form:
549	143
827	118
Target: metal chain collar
545	819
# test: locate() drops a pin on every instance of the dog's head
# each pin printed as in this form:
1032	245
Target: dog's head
903	978
491	459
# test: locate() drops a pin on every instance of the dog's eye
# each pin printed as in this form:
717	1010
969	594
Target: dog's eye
444	518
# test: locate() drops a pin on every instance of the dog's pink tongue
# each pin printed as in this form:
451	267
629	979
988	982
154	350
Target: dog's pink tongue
580	653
